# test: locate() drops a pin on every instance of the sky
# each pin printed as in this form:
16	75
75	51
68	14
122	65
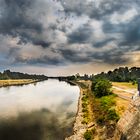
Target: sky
64	37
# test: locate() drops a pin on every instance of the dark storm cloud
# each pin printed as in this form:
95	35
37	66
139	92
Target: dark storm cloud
81	35
96	8
46	60
132	33
75	57
42	43
103	43
64	32
17	19
14	17
111	57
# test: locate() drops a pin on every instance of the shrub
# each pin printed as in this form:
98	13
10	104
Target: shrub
85	115
84	98
101	87
85	121
88	135
84	104
107	102
84	110
112	115
134	82
101	120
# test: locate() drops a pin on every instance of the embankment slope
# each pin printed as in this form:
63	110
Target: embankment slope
128	127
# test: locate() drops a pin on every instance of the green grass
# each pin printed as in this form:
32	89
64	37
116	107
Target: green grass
82	85
107	102
106	108
89	134
85	102
112	115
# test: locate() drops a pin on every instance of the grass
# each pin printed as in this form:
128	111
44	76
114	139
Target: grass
124	85
106	115
107	102
15	82
106	111
85	103
121	105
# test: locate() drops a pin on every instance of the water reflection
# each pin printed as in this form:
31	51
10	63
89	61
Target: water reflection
44	111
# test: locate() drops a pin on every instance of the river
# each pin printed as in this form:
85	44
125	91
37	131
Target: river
40	111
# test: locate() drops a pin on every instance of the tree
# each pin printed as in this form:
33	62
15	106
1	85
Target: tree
101	87
122	74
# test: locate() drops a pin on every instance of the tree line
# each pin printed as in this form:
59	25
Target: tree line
122	74
7	74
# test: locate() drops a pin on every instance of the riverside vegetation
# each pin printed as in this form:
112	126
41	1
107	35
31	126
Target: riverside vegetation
98	108
8	78
7	74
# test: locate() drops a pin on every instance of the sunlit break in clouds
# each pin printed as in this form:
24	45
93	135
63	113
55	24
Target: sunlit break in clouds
62	37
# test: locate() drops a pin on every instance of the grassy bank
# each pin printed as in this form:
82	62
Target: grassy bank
84	114
100	115
4	83
105	116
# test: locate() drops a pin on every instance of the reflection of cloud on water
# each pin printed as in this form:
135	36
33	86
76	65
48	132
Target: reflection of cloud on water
50	108
48	94
39	125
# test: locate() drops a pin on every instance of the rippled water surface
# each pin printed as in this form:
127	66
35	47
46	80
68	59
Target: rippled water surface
40	111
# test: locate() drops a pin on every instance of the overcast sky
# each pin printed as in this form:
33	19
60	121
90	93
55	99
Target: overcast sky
63	37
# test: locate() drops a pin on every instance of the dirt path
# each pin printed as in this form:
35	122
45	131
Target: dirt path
127	94
131	91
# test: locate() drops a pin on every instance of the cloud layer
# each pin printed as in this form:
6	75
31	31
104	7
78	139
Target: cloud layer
63	32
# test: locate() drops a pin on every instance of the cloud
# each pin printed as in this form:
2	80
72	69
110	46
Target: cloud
63	32
125	17
80	35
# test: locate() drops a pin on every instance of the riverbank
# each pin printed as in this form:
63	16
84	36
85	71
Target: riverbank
5	83
83	119
90	123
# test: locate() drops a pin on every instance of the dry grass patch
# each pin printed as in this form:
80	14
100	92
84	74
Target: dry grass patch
124	85
15	82
121	105
122	93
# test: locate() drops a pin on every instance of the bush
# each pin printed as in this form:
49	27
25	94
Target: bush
85	121
112	115
101	120
88	135
84	110
107	102
84	104
84	98
101	87
134	82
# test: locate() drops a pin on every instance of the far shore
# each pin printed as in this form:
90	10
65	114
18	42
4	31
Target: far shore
16	82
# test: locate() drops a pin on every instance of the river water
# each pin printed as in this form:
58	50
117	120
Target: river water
40	111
